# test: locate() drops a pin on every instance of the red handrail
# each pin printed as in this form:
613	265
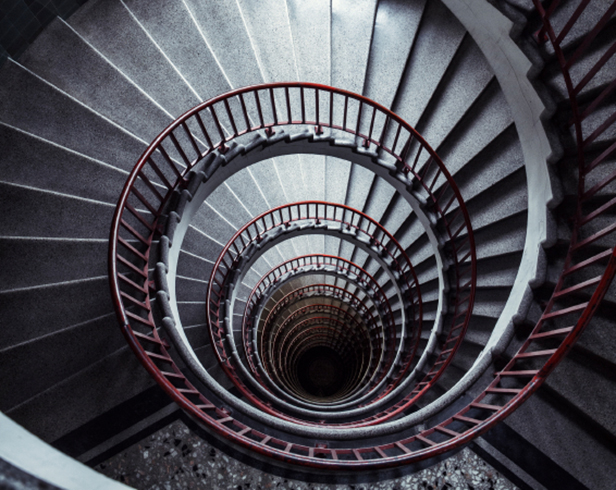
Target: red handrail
339	265
275	275
134	229
285	216
164	168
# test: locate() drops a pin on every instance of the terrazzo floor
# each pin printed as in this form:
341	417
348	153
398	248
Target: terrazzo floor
175	458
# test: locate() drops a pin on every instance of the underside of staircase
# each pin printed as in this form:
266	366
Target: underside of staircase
376	240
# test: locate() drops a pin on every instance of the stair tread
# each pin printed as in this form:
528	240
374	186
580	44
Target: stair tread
32	367
268	27
83	396
395	27
28	262
114	32
225	31
28	316
26	213
174	29
30	104
65	60
472	74
311	32
25	156
435	46
352	24
554	432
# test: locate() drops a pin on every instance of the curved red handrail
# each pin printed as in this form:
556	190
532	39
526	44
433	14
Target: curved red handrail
274	276
131	298
164	168
285	216
342	265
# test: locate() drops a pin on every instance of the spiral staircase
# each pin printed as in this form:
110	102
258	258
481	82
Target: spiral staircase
347	279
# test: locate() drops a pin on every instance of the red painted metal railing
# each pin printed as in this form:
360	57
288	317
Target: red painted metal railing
318	263
209	127
292	216
313	292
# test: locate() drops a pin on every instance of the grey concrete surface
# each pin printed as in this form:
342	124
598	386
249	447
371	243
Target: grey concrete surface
432	53
224	28
33	105
24	154
395	29
67	61
55	470
311	32
111	29
175	30
352	26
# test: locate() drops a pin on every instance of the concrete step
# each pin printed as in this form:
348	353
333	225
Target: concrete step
194	266
268	180
311	33
495	161
583	25
39	311
253	201
394	32
336	182
29	103
552	426
472	75
173	28
434	47
27	262
552	73
267	23
397	212
26	157
83	396
359	187
191	312
598	338
595	123
209	221
67	61
191	289
352	27
379	199
291	180
202	245
26	213
499	271
113	31
501	235
224	28
312	168
485	120
489	302
571	380
501	200
33	366
199	337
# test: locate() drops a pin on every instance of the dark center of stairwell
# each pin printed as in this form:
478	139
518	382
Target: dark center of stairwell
321	372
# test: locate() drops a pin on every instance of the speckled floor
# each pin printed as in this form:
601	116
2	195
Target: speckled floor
175	458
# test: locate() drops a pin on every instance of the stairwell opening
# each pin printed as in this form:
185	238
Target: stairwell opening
483	139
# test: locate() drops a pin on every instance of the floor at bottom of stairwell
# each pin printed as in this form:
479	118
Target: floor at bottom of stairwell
175	458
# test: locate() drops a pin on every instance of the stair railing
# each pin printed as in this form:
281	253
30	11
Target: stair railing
163	169
312	263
